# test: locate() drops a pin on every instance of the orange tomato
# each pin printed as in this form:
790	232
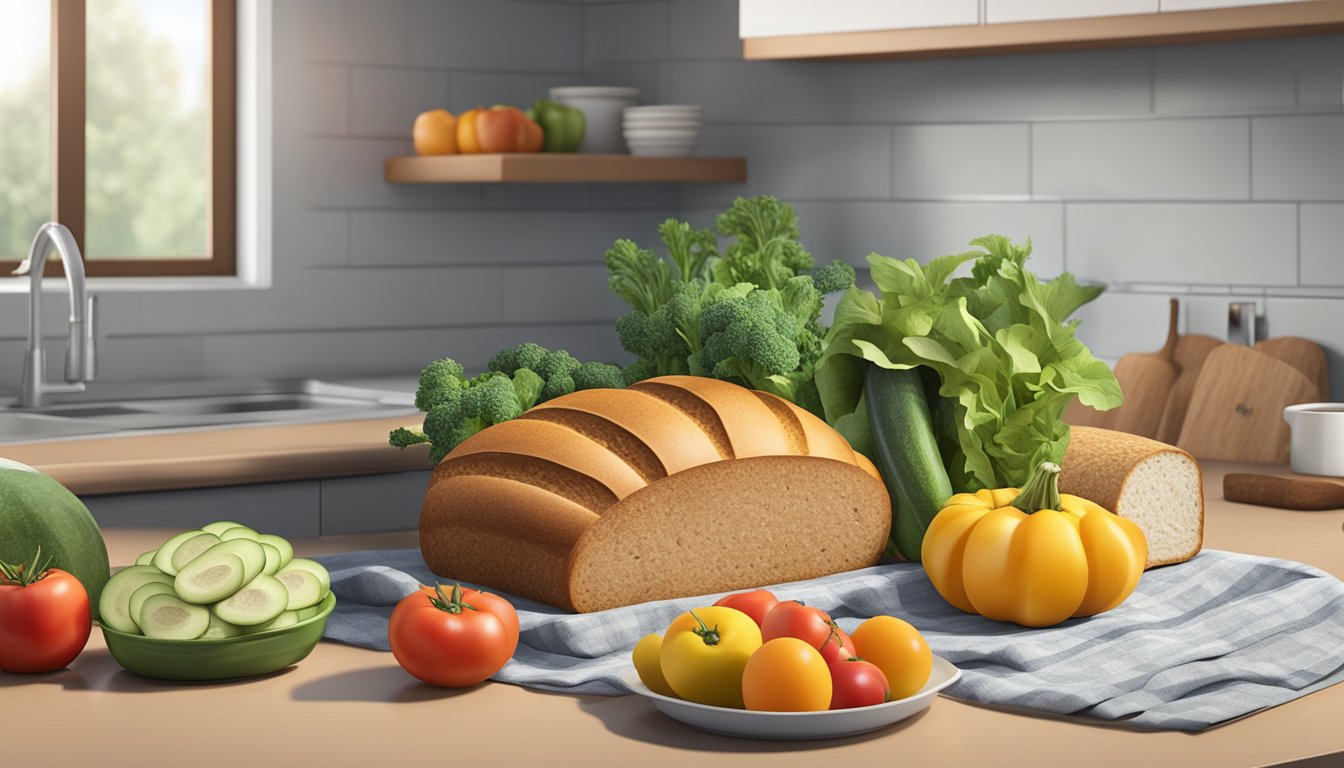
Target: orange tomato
467	140
786	675
898	650
507	129
435	133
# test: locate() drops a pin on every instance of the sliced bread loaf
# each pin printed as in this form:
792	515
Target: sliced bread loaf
1158	486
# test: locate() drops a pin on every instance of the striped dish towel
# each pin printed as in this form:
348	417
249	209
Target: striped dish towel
1197	644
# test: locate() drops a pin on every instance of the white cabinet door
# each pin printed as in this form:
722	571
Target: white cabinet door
772	18
1009	11
1194	5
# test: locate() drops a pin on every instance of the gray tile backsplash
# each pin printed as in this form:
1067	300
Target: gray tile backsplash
1210	172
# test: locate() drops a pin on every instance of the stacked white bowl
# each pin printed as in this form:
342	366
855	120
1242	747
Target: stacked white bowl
601	107
662	130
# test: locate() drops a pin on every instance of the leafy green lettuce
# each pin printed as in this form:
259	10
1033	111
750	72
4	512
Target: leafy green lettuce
1004	352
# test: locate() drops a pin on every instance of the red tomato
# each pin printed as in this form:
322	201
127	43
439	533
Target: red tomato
793	619
756	603
857	683
45	623
453	640
838	646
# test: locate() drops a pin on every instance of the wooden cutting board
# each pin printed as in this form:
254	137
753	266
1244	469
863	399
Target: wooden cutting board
1191	352
1305	356
1145	380
1284	491
1236	409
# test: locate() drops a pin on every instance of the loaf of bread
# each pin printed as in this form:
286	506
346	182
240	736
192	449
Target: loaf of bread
1158	486
677	486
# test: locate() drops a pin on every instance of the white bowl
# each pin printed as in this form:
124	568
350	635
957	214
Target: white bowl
665	109
636	122
658	134
601	106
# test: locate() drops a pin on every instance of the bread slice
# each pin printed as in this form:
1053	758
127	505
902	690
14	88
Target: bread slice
1158	486
674	487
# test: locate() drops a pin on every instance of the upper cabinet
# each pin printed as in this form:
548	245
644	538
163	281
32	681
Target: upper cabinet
884	29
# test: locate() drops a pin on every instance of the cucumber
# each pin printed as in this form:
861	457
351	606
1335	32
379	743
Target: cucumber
221	526
146	558
304	614
139	596
314	567
261	600
239	532
114	603
210	578
303	586
220	629
163	559
272	559
250	552
906	453
286	619
164	616
191	548
280	543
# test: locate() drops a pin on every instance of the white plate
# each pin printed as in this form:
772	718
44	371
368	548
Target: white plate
662	134
800	725
662	120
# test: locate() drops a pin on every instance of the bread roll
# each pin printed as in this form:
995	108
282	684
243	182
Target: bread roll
674	487
1158	486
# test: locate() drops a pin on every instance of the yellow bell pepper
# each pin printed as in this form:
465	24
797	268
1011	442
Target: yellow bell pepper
1034	557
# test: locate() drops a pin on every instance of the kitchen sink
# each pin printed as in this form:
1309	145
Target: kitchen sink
119	407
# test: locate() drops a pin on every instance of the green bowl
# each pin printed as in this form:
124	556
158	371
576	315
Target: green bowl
222	658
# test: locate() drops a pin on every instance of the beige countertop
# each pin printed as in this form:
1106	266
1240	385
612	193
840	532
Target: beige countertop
348	706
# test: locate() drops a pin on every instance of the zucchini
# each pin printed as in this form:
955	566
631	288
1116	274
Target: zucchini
905	451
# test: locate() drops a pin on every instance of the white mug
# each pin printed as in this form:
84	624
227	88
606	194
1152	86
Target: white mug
1317	446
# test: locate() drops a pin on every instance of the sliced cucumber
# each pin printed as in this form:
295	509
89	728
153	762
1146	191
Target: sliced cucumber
193	547
220	629
286	619
163	559
164	616
221	526
250	552
280	543
261	600
239	532
210	578
139	596
304	614
146	558
314	567
272	559
304	588
114	605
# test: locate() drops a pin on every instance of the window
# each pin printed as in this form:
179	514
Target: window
117	119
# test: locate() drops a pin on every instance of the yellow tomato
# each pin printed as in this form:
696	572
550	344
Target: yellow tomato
468	142
898	650
786	675
647	664
1035	557
435	133
704	652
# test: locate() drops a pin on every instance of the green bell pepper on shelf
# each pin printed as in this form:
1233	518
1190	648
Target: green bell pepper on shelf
562	125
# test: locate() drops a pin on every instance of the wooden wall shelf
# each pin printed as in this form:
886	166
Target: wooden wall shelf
1317	17
563	168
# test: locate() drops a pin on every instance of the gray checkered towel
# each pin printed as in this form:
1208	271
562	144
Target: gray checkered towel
1197	644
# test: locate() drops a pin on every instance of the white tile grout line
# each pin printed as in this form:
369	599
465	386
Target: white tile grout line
1298	243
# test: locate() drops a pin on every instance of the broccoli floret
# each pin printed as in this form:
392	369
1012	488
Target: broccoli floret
598	376
525	355
833	277
438	381
641	279
748	339
494	401
401	437
767	252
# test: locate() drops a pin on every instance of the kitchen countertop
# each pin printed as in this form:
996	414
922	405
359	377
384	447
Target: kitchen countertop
347	706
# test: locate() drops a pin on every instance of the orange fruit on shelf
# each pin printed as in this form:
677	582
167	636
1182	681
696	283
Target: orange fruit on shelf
435	133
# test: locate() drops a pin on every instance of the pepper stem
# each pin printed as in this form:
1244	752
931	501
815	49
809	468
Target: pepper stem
710	636
1041	490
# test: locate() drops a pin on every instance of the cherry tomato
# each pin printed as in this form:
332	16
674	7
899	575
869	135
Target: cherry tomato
44	622
786	675
838	646
453	640
898	650
756	603
793	619
857	683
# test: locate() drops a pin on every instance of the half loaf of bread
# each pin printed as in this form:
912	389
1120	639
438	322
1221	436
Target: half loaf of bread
674	487
1158	486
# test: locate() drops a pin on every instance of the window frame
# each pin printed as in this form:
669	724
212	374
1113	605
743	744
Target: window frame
68	19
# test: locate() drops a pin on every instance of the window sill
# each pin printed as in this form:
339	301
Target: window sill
11	285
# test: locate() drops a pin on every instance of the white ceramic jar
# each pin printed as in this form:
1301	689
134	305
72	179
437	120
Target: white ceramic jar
1317	446
602	107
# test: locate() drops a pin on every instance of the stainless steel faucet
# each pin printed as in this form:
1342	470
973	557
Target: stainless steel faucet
80	363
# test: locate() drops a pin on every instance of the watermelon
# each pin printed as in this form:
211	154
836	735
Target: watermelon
35	509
